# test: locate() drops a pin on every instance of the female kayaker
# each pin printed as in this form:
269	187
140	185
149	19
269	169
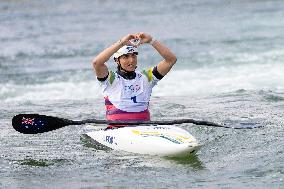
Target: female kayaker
127	91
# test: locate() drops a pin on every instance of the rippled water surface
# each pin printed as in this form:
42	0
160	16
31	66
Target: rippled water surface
229	70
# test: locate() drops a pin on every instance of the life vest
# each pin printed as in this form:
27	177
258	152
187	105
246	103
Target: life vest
128	99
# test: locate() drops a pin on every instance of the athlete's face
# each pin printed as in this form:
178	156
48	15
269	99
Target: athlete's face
128	61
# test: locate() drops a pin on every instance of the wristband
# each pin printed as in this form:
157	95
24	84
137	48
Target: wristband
152	41
119	42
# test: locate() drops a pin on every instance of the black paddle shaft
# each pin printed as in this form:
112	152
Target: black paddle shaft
35	123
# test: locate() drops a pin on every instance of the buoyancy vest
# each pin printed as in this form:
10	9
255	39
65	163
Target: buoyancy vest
128	99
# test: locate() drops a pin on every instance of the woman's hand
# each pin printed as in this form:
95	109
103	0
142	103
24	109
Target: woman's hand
136	39
144	37
126	40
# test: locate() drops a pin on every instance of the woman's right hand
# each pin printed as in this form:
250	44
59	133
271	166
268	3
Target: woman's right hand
126	40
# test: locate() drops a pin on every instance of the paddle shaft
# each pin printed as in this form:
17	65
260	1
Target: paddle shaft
162	122
35	123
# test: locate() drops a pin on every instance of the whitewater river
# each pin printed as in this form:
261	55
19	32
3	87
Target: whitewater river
230	69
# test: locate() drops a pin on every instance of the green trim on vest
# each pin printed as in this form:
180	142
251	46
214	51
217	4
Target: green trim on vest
148	74
111	77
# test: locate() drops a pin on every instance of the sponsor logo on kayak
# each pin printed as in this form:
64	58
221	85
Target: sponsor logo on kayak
110	139
178	139
161	128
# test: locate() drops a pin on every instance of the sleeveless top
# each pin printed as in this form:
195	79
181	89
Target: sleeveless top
128	99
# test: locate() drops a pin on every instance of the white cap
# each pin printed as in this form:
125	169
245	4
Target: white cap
127	49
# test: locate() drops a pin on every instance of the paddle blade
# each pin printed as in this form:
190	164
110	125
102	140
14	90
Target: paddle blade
35	123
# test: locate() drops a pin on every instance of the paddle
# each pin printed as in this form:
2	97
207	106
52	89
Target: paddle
35	123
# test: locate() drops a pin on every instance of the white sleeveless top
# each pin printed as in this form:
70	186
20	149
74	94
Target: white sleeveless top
129	95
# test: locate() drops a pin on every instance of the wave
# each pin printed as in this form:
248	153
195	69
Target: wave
210	80
193	82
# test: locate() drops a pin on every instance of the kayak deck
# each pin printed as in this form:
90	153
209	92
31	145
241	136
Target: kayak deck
166	140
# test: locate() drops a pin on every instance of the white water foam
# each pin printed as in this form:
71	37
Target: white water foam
206	81
50	91
196	82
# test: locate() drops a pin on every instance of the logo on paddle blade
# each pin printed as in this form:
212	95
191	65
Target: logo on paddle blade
32	123
28	121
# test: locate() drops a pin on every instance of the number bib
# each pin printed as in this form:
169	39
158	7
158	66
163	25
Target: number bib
132	90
